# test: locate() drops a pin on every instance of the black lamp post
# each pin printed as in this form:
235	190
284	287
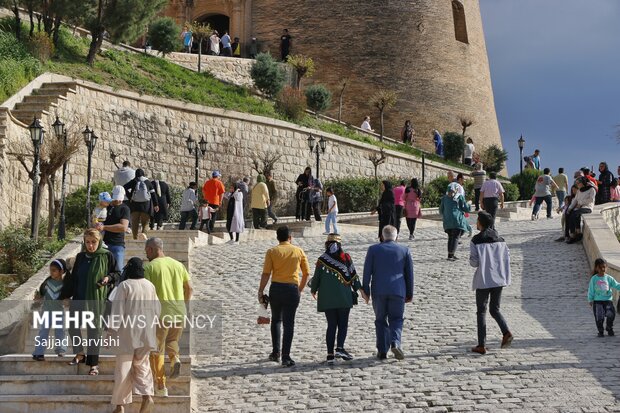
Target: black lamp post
61	133
318	149
521	143
36	135
90	139
197	151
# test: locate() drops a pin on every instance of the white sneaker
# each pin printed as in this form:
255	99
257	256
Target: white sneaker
533	217
161	392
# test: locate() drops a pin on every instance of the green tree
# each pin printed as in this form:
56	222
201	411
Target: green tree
319	98
493	158
303	65
453	146
164	35
14	5
201	32
383	100
122	20
267	75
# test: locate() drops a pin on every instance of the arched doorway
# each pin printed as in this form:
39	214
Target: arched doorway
219	22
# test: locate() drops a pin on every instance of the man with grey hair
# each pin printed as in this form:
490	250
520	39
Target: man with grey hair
172	284
388	279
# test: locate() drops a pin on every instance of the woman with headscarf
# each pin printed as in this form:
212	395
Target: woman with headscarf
407	133
583	203
302	195
413	207
133	299
162	192
385	207
88	286
234	213
438	141
335	282
452	209
604	184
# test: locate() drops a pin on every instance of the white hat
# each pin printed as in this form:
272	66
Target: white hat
118	193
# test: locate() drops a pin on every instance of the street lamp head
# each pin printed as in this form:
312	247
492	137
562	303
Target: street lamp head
93	140
323	144
191	144
36	132
311	142
521	142
203	145
87	135
59	128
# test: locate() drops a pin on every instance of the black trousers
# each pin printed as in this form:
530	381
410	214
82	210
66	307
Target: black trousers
298	204
411	224
185	215
453	240
214	216
337	320
482	298
491	205
398	214
477	198
316	209
284	300
574	219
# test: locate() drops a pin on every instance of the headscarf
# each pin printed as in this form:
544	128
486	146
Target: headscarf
453	191
134	269
334	260
387	195
260	178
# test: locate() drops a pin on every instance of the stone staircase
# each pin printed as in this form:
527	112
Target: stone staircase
52	386
177	244
42	101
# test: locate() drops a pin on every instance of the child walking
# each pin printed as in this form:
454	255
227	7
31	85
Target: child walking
600	297
332	212
49	292
204	215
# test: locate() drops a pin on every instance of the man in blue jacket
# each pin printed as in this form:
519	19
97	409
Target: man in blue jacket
388	279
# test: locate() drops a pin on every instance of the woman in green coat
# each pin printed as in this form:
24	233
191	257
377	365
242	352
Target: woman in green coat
452	209
336	283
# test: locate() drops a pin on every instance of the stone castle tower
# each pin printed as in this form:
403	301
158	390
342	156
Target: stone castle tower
431	52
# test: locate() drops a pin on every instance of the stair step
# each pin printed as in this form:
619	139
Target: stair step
76	385
27	115
23	364
33	106
56	85
86	403
39	99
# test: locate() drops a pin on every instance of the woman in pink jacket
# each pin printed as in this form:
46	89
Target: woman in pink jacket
413	207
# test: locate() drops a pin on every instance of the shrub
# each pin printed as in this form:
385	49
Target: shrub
75	204
493	158
164	35
267	75
453	146
17	66
19	254
512	192
291	103
355	194
318	97
434	191
174	209
525	182
303	65
41	46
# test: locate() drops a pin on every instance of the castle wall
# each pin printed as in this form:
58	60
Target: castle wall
151	133
403	45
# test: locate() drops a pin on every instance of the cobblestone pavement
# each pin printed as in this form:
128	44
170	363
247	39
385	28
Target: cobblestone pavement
556	362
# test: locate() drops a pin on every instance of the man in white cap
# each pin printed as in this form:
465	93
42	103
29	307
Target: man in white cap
115	226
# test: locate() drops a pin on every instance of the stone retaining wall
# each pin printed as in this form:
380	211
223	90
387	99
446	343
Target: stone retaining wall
151	133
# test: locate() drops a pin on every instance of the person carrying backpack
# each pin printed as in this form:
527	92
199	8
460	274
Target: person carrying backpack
142	202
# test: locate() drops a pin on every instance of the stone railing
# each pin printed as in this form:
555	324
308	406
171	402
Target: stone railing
600	229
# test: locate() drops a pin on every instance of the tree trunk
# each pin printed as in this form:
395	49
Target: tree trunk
381	134
199	54
31	15
39	22
18	22
95	45
340	109
51	210
56	31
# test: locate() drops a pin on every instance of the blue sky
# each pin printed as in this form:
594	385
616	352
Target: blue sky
555	66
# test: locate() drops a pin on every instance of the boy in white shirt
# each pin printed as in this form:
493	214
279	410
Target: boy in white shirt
332	211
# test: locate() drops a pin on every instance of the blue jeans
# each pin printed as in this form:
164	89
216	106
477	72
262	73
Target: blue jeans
538	203
389	310
331	219
561	195
118	251
44	332
482	299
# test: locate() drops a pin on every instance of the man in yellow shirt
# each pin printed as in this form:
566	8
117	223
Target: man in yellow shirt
282	264
171	281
